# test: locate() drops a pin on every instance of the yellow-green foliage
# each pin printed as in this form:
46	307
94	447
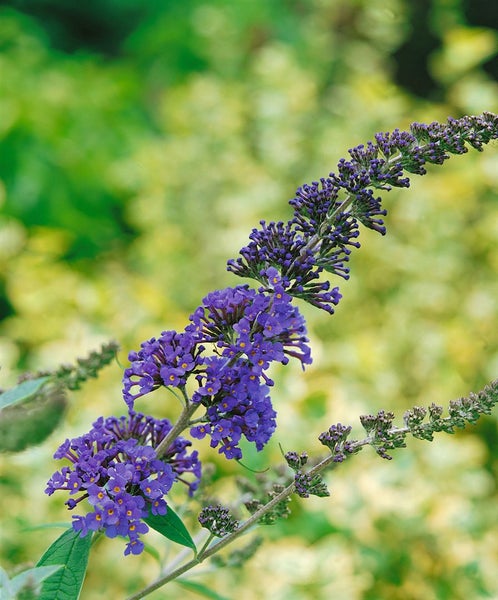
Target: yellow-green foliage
133	169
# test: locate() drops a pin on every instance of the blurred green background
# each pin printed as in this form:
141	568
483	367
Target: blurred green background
140	142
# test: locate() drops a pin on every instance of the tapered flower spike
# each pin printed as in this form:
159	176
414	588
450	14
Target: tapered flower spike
327	213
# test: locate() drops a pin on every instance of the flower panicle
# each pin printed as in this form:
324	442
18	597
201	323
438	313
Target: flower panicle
423	423
247	331
460	412
73	376
327	213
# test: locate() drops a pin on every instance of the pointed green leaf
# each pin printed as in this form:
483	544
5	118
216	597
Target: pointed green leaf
71	551
171	526
30	579
200	589
32	418
22	391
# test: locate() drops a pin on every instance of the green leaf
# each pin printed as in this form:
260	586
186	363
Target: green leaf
171	526
28	580
30	419
22	391
200	589
71	551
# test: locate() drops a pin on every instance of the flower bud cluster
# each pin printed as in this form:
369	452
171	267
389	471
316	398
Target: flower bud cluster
336	440
310	485
306	484
257	493
72	376
382	435
461	411
217	520
296	461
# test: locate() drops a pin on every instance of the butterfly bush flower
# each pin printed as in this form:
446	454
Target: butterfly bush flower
250	330
237	405
259	326
283	245
167	361
324	227
115	468
247	330
125	467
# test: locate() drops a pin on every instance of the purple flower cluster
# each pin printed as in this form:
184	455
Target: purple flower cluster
247	330
308	485
262	326
167	361
336	440
238	404
115	467
286	247
250	330
324	227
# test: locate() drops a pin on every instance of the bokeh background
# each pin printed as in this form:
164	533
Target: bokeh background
140	142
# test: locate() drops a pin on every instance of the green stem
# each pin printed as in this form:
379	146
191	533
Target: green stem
208	551
206	544
182	423
487	398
